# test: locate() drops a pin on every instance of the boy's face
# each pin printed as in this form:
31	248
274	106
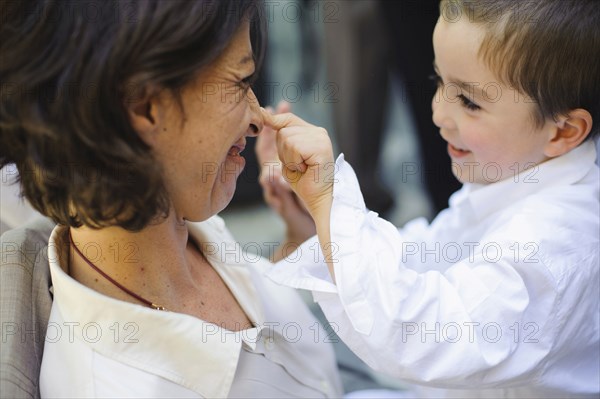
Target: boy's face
489	127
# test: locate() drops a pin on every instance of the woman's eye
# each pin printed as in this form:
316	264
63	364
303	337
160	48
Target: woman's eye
468	103
247	82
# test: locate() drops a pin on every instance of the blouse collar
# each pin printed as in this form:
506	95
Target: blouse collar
167	344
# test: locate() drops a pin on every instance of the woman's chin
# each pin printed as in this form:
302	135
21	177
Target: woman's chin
223	196
202	206
201	213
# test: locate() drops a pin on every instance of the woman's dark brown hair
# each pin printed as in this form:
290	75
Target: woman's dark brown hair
68	69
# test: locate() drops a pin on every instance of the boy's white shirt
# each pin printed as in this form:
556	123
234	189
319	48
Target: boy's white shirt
499	292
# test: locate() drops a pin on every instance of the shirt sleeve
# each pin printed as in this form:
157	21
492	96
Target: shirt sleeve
472	323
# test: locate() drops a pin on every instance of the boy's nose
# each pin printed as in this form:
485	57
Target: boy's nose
440	112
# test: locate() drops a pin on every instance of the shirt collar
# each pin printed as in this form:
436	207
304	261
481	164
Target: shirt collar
561	171
181	348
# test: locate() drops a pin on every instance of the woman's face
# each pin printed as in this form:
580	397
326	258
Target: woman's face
199	148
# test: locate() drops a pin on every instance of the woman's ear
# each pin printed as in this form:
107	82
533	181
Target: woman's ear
569	131
145	115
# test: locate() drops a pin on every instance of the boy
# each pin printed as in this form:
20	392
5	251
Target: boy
499	295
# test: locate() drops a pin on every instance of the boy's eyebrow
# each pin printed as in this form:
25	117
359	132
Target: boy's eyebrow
470	87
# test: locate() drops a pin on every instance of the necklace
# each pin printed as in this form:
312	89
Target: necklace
106	276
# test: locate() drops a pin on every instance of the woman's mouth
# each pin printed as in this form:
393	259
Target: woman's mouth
234	155
235	151
456	152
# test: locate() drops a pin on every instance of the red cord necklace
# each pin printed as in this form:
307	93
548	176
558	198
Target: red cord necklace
106	276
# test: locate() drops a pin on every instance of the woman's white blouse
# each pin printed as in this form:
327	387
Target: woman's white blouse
97	346
500	292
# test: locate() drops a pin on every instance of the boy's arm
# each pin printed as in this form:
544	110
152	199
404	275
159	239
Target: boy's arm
278	194
307	156
450	327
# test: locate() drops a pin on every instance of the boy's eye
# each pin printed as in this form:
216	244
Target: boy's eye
468	103
436	79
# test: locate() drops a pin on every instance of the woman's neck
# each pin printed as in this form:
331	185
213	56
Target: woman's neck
154	263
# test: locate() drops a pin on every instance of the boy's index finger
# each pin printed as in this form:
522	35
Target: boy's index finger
279	121
275	121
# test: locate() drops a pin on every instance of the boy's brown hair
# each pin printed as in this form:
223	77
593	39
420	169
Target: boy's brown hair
546	49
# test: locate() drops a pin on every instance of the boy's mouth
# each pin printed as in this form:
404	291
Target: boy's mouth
456	152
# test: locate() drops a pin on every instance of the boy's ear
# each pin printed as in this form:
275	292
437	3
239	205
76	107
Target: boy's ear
145	113
569	131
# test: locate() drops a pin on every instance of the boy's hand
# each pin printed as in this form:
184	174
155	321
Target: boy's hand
307	156
276	190
270	166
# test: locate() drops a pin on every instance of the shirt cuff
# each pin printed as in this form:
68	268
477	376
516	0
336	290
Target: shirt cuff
348	216
306	269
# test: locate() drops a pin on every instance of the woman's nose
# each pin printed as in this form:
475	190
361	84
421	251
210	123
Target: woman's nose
256	121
